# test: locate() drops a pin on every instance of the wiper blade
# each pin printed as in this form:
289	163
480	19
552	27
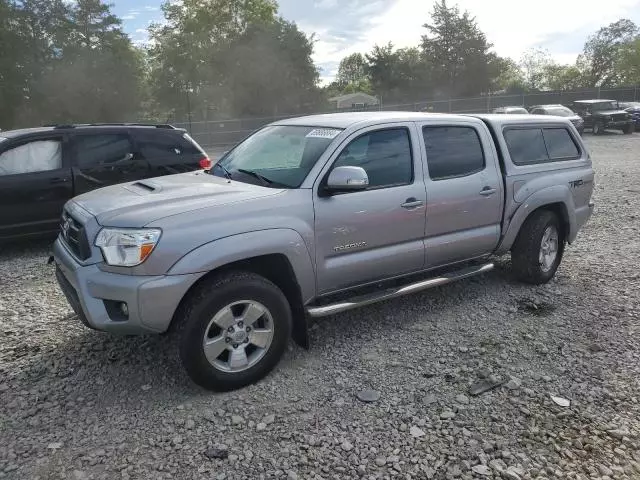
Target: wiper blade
256	175
226	172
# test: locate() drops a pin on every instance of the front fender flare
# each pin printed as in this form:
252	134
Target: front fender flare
557	194
224	251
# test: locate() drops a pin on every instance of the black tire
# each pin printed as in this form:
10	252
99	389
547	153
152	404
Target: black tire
212	297
526	249
598	128
629	129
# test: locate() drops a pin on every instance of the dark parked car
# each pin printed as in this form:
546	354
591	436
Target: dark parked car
510	110
599	115
634	109
41	168
560	111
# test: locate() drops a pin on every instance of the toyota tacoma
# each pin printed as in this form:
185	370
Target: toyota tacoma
317	215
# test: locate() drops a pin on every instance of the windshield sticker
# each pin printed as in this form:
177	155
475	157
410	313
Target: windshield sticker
323	133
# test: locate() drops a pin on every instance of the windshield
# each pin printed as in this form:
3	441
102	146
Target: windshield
605	106
560	112
279	155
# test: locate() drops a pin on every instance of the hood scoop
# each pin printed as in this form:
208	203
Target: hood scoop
143	186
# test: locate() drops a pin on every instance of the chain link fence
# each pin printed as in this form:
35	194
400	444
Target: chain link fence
216	136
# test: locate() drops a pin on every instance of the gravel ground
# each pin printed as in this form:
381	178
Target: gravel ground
78	404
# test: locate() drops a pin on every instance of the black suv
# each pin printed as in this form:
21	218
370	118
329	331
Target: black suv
599	115
41	168
560	111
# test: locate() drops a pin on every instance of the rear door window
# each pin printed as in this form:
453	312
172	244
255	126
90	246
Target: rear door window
102	149
159	147
452	151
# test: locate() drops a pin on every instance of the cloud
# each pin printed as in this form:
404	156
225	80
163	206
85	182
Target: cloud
325	3
131	14
561	26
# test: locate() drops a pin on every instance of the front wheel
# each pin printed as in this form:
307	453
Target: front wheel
234	329
628	129
538	249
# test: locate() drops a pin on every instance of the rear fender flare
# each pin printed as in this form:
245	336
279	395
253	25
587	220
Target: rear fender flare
557	194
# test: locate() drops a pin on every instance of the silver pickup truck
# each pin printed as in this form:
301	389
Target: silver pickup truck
317	215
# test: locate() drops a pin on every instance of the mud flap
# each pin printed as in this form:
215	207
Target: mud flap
300	331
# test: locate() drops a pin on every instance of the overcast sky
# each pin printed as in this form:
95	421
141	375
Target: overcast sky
343	27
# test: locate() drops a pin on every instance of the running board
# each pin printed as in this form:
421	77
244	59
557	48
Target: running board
368	299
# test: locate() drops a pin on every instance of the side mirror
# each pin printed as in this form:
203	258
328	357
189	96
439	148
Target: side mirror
347	179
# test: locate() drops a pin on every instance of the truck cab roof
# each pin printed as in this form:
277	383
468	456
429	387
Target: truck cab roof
347	120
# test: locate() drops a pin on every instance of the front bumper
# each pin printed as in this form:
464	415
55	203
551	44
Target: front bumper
151	300
617	124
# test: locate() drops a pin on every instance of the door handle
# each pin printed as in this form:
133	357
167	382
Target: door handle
412	203
486	191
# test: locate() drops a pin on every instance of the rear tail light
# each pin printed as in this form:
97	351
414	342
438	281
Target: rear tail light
205	163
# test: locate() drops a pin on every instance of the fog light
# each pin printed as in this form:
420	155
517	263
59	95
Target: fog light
124	309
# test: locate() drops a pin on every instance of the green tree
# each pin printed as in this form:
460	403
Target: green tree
563	77
31	32
352	70
382	61
269	70
65	62
413	74
628	63
234	57
506	76
533	65
98	74
458	52
400	75
603	50
13	76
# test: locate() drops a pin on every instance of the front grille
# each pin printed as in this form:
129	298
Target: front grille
74	236
619	117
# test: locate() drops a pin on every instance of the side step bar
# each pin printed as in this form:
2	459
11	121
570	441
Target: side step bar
368	299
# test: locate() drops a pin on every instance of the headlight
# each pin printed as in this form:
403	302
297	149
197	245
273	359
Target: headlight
127	247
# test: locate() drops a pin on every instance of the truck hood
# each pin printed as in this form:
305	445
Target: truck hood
139	203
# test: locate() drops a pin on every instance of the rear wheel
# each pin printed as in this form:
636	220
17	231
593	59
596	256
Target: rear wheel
598	128
538	249
234	329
